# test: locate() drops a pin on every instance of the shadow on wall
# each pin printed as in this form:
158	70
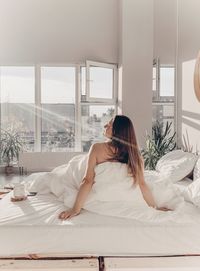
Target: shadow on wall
190	120
186	145
191	115
189	106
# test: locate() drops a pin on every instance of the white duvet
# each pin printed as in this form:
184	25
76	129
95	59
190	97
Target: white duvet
113	192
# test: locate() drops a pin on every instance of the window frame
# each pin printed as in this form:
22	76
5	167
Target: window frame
158	67
38	110
78	100
165	100
90	63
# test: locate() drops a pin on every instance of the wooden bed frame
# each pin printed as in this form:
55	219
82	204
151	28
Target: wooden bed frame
157	263
96	263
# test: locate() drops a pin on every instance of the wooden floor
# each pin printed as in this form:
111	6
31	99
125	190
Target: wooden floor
186	263
153	264
51	265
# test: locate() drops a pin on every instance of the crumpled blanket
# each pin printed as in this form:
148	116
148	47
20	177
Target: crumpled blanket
113	192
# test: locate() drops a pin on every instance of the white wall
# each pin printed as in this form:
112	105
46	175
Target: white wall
136	63
165	30
46	31
177	25
57	31
189	45
44	161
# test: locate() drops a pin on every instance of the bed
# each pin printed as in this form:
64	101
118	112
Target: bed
32	227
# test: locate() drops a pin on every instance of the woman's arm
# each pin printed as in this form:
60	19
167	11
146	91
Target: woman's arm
85	187
147	195
146	192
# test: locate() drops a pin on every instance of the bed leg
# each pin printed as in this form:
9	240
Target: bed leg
101	263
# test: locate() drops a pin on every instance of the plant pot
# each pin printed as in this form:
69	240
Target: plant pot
9	170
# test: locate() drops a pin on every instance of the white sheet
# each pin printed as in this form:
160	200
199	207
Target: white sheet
113	192
32	226
192	193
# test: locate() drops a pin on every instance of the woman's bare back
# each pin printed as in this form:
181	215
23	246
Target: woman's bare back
104	152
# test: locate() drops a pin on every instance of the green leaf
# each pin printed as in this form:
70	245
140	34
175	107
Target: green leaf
160	144
11	144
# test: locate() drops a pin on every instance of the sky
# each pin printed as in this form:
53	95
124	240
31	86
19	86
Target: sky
17	84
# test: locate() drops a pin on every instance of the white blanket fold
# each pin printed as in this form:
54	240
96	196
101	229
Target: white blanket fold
113	192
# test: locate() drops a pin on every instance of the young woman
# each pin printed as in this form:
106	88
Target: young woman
121	147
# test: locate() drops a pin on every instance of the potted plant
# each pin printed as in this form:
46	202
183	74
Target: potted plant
157	145
11	144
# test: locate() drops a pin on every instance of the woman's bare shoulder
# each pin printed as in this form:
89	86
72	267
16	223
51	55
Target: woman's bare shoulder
101	146
96	148
102	151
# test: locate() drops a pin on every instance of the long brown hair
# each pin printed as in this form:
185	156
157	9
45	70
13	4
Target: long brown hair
125	145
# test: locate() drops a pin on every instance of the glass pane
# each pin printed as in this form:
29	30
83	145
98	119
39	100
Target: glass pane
58	108
17	84
101	83
164	113
83	85
154	85
58	127
154	73
93	119
17	102
167	81
57	85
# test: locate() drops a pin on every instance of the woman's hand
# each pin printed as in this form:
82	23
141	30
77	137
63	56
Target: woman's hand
15	199
165	209
68	214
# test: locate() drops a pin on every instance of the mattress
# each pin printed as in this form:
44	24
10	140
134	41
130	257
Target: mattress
33	227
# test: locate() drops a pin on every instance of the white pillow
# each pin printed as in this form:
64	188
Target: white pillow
176	165
192	192
196	173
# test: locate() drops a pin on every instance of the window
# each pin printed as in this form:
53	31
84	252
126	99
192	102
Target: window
98	100
58	108
164	112
163	93
17	99
100	83
167	82
155	82
93	119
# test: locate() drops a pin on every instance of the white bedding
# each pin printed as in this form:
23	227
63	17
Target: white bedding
107	225
113	192
32	227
